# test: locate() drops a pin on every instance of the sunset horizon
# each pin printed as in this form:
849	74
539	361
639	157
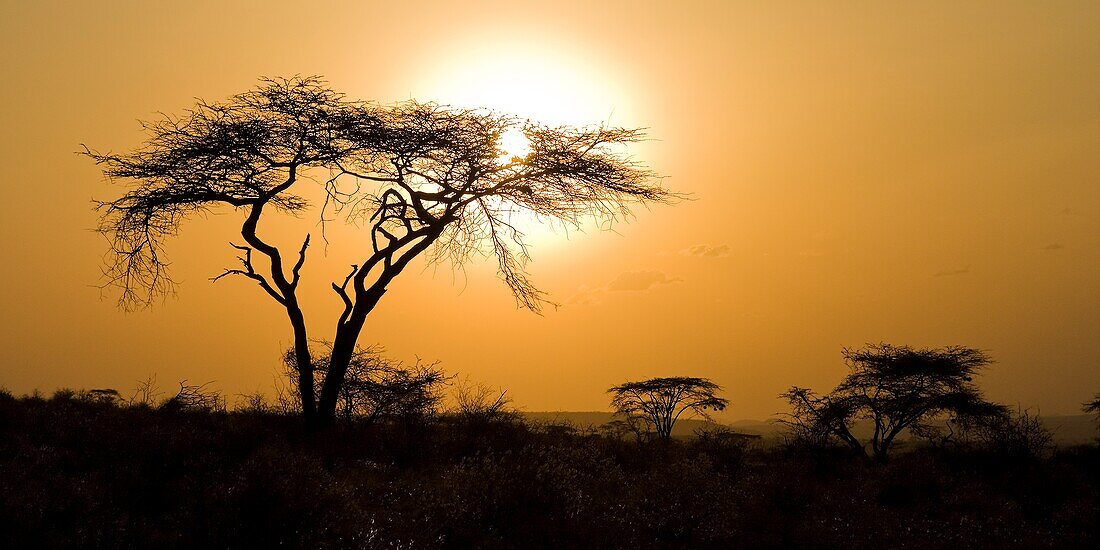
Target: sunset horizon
570	207
950	200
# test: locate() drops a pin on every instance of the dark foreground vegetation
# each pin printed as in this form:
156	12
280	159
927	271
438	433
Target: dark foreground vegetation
79	469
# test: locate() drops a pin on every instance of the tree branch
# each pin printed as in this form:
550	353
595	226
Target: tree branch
250	272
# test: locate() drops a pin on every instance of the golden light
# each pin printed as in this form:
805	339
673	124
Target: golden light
551	86
546	86
514	144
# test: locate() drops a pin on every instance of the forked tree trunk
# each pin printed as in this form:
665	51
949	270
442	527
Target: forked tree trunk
343	347
347	333
304	361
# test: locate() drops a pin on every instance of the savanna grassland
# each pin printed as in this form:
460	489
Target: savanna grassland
81	470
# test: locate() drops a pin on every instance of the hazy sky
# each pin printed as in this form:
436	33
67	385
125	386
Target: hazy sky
915	173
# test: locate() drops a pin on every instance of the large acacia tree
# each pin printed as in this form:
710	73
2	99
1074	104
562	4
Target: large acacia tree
422	179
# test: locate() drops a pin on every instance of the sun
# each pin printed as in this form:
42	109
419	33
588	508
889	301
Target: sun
514	144
554	87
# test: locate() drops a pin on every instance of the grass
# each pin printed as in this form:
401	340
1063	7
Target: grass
77	472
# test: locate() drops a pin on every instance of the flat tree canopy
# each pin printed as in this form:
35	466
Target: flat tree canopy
420	177
895	387
661	401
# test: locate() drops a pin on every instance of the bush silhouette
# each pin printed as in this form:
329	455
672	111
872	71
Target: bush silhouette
80	472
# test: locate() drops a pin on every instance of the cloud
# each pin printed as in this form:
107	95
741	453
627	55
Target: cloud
707	251
587	296
1053	247
639	281
628	281
953	272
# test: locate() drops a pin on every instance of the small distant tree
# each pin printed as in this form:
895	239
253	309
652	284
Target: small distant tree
254	403
479	403
619	428
660	402
420	179
1018	434
194	397
1093	407
377	387
895	388
103	396
147	393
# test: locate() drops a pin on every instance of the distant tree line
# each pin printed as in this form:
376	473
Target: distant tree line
929	394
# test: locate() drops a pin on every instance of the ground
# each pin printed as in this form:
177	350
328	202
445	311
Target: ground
81	473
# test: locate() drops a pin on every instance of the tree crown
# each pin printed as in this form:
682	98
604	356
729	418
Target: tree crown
413	172
901	376
664	396
896	388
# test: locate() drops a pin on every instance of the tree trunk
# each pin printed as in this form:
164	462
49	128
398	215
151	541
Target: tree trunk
304	361
857	447
884	446
343	347
347	333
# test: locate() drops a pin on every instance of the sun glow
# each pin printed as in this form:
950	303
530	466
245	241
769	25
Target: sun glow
542	86
514	145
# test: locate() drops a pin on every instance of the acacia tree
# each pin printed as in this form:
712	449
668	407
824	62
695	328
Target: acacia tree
896	388
661	401
821	419
1093	407
422	178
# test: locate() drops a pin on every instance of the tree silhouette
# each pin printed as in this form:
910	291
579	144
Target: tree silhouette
1092	406
423	178
820	419
377	387
895	387
661	401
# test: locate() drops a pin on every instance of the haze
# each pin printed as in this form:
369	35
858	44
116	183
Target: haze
922	174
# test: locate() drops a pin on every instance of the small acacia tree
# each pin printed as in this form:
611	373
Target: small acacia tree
1093	407
895	387
421	178
661	401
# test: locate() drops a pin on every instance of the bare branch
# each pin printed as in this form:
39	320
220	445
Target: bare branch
341	290
250	272
296	270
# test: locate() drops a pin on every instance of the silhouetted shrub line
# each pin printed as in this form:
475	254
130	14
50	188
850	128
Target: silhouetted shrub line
80	470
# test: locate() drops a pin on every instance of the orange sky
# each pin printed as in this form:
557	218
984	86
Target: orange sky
916	173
